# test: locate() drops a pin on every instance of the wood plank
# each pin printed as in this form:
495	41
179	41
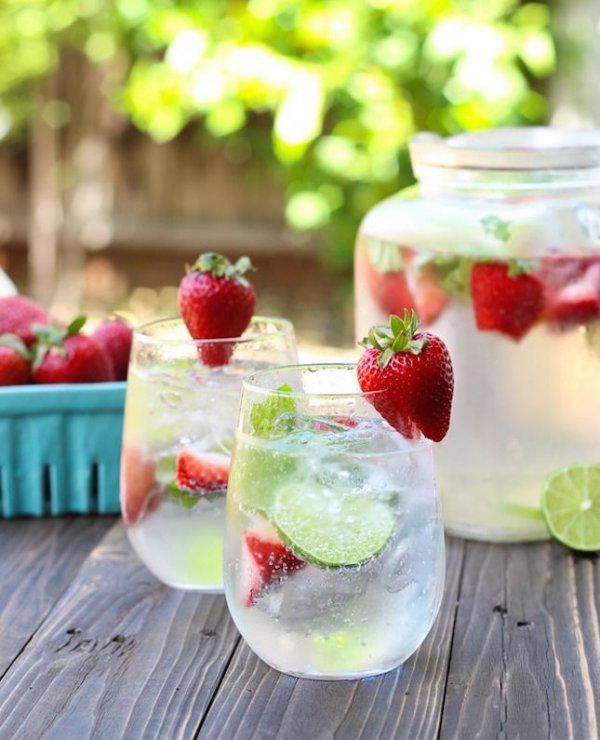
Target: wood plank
254	701
40	558
526	658
121	656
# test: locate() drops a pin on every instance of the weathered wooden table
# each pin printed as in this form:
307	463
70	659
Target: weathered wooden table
92	646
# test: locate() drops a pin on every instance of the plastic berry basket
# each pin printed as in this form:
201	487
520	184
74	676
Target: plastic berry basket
60	449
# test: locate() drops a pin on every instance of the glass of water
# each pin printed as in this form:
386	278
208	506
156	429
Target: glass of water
179	421
334	548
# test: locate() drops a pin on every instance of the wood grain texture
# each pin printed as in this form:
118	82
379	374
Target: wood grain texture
40	558
254	701
121	656
526	658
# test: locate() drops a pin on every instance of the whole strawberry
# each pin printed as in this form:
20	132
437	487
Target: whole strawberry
67	356
115	336
411	377
15	364
506	298
383	266
18	316
216	302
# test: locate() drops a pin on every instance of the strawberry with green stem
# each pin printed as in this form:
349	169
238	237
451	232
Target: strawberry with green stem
18	315
15	361
216	302
116	336
507	297
383	265
409	377
65	355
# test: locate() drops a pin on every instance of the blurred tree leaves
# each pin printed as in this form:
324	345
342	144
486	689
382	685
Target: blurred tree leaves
343	84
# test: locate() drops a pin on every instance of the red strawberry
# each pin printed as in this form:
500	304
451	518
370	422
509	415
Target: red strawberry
202	473
115	336
577	302
137	483
66	356
384	269
505	302
18	315
424	284
328	424
15	364
216	302
413	372
265	559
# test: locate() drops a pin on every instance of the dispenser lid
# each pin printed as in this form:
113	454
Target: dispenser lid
527	148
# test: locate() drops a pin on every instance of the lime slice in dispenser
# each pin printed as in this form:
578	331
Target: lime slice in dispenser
329	528
571	507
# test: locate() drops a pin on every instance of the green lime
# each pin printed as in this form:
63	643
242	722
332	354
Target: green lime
346	650
329	528
256	472
571	506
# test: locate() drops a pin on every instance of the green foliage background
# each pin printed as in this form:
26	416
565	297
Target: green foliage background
328	92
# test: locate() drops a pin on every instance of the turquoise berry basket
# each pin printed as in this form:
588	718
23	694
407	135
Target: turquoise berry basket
60	449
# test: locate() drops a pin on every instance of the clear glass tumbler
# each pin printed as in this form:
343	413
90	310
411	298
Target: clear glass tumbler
179	421
334	548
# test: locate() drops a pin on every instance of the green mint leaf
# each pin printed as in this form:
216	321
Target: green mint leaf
165	469
275	416
185	498
454	273
189	500
496	228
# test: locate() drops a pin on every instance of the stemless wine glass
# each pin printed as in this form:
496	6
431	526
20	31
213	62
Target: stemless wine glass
334	548
180	416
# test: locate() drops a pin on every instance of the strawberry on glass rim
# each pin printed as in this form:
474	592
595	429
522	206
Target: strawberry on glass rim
410	376
216	302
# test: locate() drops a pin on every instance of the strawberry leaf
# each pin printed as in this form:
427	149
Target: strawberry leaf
396	337
520	267
76	325
220	267
395	324
385	357
16	343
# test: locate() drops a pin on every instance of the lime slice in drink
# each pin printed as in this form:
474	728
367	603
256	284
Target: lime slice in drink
255	474
329	528
571	506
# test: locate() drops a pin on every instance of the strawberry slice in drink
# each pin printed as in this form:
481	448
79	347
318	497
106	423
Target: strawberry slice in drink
383	267
138	483
202	473
265	560
578	302
425	286
506	298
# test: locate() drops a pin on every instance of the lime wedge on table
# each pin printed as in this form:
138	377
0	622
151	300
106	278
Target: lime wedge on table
571	506
329	528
